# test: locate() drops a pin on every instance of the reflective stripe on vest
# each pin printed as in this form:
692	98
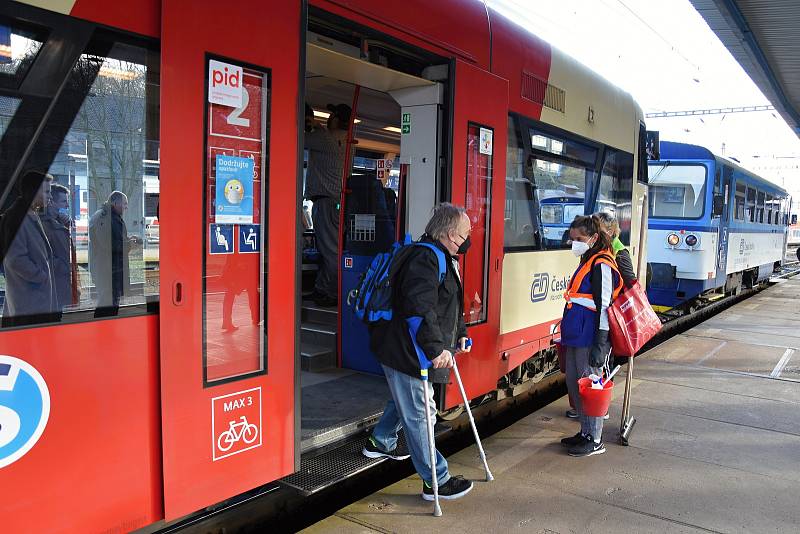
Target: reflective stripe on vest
573	296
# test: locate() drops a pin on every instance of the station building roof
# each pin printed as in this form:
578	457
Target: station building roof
762	35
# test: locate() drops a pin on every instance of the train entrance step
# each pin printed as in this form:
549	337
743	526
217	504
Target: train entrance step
320	471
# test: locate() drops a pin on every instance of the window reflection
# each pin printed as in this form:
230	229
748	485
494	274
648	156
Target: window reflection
98	220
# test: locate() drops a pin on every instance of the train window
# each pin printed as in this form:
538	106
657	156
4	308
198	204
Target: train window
18	49
520	213
561	168
616	189
477	203
234	267
768	208
641	167
750	205
741	192
677	191
760	207
8	107
82	245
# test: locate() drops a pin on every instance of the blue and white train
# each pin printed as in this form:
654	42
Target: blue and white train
713	228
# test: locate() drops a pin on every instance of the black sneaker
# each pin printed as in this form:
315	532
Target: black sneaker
587	448
454	488
571	441
572	413
371	450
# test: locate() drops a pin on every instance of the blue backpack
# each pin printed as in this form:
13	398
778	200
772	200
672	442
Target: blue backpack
373	298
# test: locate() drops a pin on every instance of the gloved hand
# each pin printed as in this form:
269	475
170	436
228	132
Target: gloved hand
600	349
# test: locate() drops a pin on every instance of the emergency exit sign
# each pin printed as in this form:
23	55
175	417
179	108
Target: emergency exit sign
406	124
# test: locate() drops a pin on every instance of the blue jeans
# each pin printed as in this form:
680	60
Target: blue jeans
406	410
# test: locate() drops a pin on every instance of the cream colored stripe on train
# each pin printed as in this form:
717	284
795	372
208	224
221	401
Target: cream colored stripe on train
59	6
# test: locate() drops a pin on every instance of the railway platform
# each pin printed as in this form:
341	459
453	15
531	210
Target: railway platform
716	447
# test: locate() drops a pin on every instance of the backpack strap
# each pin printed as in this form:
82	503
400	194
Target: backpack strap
439	257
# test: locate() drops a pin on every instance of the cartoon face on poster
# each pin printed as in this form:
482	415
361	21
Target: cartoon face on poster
486	141
234	190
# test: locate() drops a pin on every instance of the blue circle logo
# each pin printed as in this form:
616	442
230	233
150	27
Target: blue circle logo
24	408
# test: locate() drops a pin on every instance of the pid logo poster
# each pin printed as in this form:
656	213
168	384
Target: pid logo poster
234	190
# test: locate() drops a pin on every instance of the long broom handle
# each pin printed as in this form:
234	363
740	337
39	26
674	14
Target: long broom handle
641	260
489	476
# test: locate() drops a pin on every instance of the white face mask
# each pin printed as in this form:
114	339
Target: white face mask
579	248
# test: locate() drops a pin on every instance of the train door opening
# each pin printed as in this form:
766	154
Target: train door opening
372	173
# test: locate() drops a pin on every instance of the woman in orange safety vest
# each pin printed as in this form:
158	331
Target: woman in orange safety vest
584	325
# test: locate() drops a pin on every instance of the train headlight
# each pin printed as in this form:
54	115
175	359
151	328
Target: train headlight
673	240
691	240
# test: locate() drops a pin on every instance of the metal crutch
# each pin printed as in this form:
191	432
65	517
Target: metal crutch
437	510
489	476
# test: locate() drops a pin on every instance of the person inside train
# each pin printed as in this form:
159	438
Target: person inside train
30	295
57	225
326	160
621	255
390	196
584	325
419	293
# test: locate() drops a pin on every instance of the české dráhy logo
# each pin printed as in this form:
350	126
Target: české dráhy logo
539	287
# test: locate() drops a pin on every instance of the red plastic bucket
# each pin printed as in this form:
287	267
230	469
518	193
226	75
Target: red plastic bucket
595	401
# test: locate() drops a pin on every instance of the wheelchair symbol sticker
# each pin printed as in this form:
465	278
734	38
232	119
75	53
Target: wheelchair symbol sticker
24	408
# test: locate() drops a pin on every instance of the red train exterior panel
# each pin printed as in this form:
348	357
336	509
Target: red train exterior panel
98	462
268	36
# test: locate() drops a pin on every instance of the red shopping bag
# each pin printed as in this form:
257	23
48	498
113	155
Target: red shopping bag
632	321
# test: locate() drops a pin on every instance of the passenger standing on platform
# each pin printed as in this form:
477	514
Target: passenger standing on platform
28	261
584	326
57	225
621	254
326	162
418	293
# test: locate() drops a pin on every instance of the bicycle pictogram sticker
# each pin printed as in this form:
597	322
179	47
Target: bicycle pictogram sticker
241	430
236	423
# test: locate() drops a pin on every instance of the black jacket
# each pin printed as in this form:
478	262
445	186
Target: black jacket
418	293
625	266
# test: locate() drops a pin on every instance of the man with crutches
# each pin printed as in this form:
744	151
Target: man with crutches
427	320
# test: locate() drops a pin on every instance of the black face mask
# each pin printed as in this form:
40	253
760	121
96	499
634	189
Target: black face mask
464	246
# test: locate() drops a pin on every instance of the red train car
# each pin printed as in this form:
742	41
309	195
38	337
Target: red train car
155	376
